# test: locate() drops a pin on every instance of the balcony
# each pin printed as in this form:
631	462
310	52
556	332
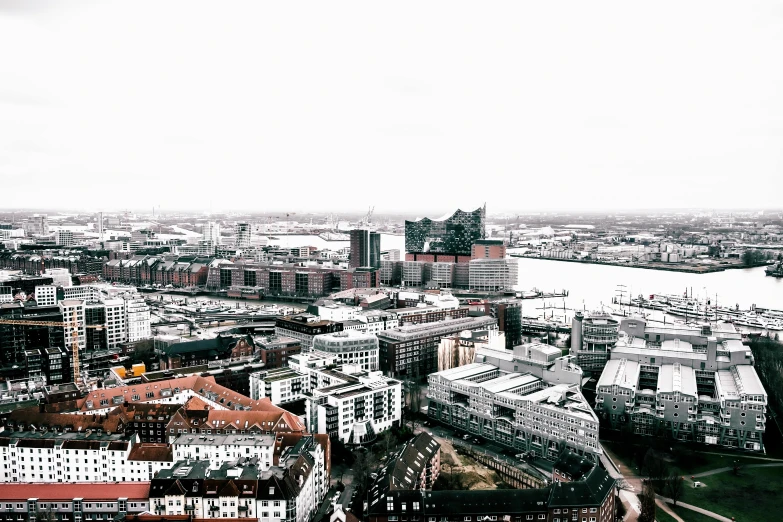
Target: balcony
599	399
660	407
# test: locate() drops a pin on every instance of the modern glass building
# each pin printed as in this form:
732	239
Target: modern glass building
453	235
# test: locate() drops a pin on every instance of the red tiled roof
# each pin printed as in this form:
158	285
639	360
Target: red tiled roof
62	491
151	452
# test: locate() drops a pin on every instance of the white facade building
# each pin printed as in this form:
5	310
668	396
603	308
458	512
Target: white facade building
46	295
73	317
493	274
357	410
219	449
72	457
138	318
60	276
350	347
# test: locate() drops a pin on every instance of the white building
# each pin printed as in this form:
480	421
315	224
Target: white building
518	410
65	237
493	274
60	276
350	347
378	320
138	318
280	385
73	317
357	410
242	233
291	490
73	457
46	295
219	449
116	326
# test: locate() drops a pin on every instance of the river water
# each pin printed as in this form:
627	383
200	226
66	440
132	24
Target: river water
592	287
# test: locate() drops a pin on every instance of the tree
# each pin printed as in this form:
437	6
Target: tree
675	487
387	440
647	503
363	464
657	468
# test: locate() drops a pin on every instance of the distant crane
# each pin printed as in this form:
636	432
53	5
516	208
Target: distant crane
367	219
74	337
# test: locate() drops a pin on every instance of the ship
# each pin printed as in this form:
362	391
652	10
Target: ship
775	270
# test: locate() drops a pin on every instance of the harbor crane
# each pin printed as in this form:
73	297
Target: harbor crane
74	325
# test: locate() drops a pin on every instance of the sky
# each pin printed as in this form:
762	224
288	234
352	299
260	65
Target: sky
407	106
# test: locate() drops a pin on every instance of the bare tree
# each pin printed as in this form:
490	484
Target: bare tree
675	487
387	439
647	501
655	467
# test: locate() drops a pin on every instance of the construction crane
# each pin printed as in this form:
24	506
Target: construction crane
74	337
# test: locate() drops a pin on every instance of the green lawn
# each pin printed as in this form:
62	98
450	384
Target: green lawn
690	516
752	496
662	516
689	464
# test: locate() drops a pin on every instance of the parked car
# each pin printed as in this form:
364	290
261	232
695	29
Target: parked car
477	441
466	436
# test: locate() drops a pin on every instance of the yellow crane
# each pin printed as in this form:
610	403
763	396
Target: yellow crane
74	337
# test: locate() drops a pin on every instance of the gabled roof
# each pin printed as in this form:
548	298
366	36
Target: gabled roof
151	452
64	491
588	492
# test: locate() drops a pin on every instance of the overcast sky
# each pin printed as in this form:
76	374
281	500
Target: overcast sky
402	105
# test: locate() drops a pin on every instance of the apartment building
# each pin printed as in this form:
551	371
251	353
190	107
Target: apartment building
218	449
702	389
280	385
90	456
240	488
356	410
591	499
72	502
350	347
518	410
415	466
412	350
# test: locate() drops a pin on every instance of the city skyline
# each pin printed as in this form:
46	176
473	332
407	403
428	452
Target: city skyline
581	107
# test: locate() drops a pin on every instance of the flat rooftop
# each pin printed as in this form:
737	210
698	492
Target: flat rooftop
226	440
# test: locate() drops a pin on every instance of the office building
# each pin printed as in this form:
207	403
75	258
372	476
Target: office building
275	351
304	327
492	275
488	249
46	295
517	410
508	313
696	385
64	238
592	338
412	350
350	347
449	238
365	249
242	235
